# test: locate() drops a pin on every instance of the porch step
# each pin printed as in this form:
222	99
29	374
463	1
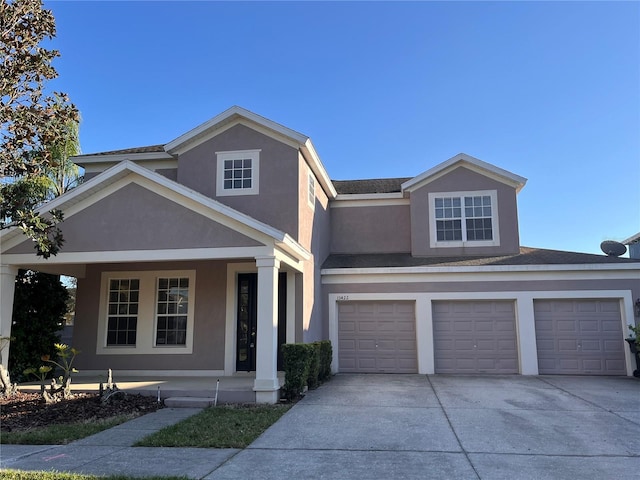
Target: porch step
189	402
195	400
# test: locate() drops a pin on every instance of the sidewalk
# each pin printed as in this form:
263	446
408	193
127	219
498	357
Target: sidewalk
110	452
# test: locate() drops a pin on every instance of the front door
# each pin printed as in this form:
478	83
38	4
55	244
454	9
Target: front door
248	318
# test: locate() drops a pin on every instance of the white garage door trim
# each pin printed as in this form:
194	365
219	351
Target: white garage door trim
525	321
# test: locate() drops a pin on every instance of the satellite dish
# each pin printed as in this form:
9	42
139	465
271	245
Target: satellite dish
613	248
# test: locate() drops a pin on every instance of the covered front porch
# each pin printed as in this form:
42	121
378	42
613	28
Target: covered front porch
160	291
199	390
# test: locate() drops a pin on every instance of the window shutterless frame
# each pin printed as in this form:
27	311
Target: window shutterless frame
468	219
237	173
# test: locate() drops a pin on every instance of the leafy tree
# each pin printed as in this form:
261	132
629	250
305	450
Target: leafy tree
39	306
30	121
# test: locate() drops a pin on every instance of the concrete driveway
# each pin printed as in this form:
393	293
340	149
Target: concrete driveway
452	427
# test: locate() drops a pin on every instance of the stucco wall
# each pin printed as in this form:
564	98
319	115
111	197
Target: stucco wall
376	229
463	179
209	320
277	201
134	218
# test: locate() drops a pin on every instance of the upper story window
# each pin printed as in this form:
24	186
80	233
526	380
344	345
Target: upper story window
464	219
238	172
311	190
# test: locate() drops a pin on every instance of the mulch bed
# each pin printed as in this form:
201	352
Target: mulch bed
24	411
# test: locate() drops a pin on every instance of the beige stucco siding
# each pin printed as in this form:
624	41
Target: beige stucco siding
277	201
376	229
209	320
134	218
464	180
313	235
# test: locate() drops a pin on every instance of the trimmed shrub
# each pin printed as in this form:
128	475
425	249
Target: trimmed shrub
326	357
313	375
297	357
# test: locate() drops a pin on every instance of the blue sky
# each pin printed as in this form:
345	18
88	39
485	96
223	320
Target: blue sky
547	90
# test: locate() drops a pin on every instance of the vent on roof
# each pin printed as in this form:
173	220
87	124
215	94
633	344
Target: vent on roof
613	248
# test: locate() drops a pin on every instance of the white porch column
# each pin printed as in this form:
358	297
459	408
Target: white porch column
7	288
266	384
526	328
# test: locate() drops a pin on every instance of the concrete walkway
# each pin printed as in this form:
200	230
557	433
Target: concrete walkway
397	426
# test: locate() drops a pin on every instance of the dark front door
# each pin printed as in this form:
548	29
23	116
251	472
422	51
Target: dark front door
248	317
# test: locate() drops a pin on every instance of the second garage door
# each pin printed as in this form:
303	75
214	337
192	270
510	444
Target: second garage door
582	336
475	337
377	337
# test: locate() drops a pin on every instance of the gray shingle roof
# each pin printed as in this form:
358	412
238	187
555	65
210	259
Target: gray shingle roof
149	149
378	185
527	256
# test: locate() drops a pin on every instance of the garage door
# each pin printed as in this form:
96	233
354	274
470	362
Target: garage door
475	337
579	337
377	337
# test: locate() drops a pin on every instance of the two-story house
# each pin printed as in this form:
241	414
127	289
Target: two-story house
201	256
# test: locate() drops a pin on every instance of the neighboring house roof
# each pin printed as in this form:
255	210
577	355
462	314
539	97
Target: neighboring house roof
634	239
527	256
379	185
467	161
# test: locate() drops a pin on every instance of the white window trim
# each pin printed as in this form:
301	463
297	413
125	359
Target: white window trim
311	195
147	321
495	220
254	155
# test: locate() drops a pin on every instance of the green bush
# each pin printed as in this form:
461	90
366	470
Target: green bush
313	375
297	357
326	357
305	364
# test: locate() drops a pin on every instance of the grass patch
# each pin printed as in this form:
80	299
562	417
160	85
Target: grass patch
61	434
20	475
227	426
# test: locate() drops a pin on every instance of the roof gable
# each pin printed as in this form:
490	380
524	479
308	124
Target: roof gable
467	161
101	186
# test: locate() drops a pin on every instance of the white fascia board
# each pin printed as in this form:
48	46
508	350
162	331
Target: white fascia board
369	200
215	253
146	163
225	117
470	162
83	160
477	274
313	159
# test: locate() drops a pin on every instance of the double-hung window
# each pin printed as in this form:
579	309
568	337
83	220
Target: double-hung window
464	219
172	310
238	172
122	314
311	190
147	312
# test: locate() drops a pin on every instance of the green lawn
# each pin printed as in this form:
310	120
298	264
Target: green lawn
61	434
227	426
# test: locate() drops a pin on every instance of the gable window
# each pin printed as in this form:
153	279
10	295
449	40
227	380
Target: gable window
238	172
122	320
311	197
172	310
464	219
